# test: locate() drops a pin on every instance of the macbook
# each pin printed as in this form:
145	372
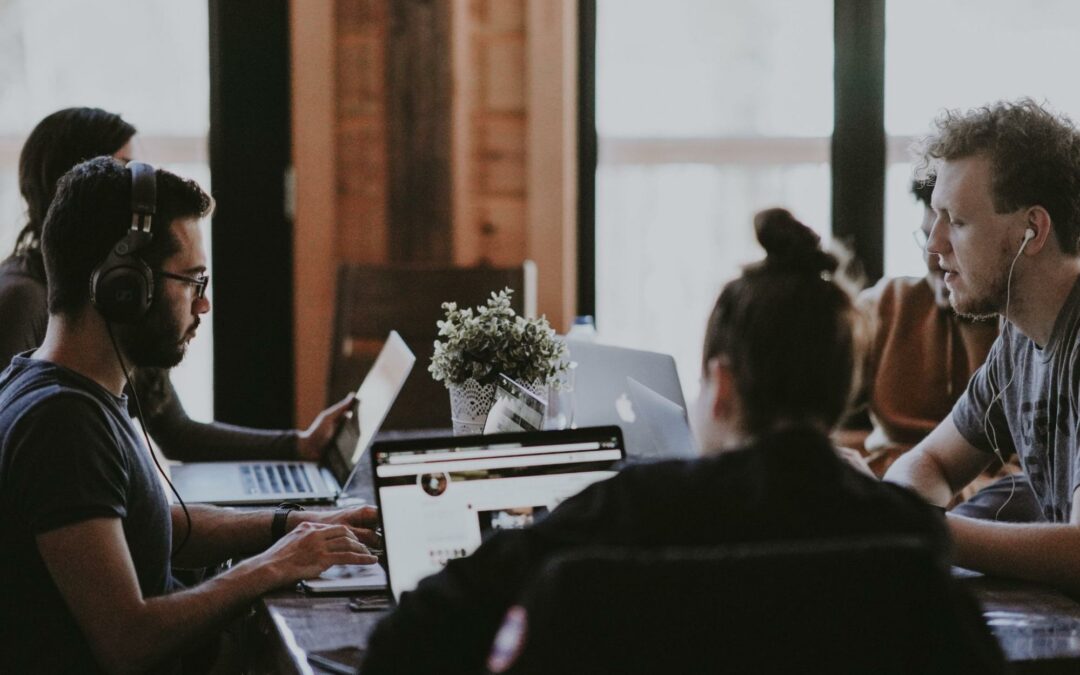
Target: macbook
440	498
271	482
664	430
636	390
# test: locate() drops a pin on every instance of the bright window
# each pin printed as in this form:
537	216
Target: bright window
707	112
963	54
147	60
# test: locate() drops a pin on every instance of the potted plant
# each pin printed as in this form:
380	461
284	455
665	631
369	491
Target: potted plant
479	345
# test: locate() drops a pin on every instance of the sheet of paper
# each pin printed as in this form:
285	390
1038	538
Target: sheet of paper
348	578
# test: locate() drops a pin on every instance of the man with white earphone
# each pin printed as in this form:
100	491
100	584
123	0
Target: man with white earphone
1007	235
921	355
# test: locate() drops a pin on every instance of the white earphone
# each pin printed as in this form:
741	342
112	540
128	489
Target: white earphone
988	429
1029	234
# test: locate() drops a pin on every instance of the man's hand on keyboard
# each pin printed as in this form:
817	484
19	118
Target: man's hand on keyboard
361	521
309	549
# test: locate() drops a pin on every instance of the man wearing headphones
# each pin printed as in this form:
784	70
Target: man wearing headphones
1007	235
88	535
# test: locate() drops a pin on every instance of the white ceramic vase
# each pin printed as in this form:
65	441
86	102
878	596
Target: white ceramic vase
470	403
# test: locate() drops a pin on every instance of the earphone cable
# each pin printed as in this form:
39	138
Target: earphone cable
988	429
146	435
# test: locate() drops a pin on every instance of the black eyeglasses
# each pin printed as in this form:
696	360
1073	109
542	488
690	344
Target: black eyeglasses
200	282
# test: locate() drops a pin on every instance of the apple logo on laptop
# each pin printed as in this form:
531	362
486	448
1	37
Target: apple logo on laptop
625	408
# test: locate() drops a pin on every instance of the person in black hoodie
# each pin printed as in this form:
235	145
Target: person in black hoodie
778	364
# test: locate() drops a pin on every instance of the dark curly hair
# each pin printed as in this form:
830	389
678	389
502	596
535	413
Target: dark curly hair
923	189
790	329
1034	155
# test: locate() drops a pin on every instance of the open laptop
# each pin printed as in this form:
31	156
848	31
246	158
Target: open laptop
636	390
271	482
440	498
661	424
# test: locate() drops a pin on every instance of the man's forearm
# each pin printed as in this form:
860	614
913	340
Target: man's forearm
164	625
922	474
1045	553
218	534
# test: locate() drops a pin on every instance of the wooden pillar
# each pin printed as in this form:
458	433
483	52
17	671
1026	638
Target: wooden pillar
418	114
315	197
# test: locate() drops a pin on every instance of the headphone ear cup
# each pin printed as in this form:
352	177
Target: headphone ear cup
122	287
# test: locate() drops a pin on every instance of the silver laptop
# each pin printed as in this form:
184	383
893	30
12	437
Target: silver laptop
666	431
636	390
440	498
270	482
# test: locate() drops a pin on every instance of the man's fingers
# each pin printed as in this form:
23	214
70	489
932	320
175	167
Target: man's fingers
351	558
369	516
346	544
363	516
368	537
327	531
342	405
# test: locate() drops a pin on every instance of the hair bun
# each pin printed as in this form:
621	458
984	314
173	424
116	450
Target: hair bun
791	246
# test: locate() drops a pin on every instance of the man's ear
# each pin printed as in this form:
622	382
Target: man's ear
723	402
1038	219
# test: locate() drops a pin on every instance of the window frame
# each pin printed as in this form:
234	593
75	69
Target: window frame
858	146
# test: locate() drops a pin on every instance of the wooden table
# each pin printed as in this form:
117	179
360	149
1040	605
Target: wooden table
1038	628
291	625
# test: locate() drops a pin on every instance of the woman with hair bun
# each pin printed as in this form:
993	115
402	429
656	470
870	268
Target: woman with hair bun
777	369
59	142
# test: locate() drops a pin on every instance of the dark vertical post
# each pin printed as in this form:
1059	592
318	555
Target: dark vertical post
419	89
251	232
858	141
588	151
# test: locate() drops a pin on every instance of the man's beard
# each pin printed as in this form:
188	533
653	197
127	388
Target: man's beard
156	341
987	306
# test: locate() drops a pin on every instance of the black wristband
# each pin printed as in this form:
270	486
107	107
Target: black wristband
281	513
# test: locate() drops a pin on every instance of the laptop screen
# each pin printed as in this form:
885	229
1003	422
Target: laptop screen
439	499
374	399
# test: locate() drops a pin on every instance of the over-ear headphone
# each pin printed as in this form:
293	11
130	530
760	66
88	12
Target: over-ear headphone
122	286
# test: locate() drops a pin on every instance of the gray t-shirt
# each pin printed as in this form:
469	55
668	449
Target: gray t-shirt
68	453
1028	387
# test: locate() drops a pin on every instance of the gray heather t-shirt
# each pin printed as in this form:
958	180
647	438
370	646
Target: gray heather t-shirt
1044	386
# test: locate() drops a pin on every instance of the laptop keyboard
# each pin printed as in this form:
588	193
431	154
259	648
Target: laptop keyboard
268	479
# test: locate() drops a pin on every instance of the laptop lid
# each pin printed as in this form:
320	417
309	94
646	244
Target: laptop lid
665	423
440	498
374	399
602	391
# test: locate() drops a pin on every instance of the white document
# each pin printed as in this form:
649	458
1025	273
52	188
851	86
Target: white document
345	578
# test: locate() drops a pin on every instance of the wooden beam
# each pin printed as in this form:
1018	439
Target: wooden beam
551	155
314	123
419	91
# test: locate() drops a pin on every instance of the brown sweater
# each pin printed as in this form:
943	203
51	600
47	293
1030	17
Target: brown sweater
920	361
